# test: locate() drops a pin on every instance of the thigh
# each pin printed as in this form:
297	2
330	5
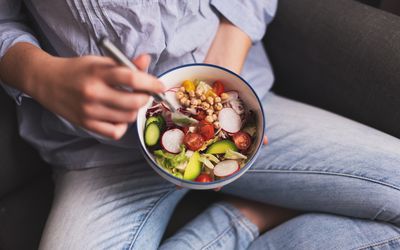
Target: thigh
114	207
323	231
319	161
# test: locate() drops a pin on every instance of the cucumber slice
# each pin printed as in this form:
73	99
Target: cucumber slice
152	134
157	119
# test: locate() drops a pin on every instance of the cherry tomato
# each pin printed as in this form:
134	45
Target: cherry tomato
242	140
201	115
218	88
206	129
203	178
193	141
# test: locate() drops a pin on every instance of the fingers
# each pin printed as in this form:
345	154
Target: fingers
138	80
113	131
142	62
103	113
121	100
265	141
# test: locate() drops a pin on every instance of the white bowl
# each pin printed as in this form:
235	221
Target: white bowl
208	73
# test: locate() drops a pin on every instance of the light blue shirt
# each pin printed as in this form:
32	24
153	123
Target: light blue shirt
173	32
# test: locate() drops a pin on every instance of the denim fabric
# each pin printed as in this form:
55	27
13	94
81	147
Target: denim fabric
172	32
322	164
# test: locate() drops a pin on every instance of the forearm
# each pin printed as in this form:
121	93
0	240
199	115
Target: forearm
229	48
22	66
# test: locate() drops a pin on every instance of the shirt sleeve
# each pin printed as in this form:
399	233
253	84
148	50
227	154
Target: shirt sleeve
251	16
13	29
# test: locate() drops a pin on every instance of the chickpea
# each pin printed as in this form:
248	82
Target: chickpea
216	125
183	100
205	105
203	97
209	119
224	96
217	99
210	112
182	89
193	101
210	100
193	106
191	93
187	103
215	117
218	106
179	95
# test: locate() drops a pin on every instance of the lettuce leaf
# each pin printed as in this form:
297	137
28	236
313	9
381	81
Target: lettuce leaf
168	160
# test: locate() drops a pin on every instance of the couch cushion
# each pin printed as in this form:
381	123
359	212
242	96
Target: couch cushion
19	162
340	55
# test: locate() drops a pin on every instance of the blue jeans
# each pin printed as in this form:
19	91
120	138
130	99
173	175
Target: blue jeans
343	175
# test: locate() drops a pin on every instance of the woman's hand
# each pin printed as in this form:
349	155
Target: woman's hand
82	90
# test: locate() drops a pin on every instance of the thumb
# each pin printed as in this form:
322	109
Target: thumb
142	62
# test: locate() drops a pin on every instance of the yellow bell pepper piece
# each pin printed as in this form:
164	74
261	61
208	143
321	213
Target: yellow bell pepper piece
189	85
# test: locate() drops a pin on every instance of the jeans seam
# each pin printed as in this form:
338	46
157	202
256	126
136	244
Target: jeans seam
326	173
240	220
377	244
236	221
147	217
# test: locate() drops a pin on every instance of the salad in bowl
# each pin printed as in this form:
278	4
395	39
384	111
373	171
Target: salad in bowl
220	137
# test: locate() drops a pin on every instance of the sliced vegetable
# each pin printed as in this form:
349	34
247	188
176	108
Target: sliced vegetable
202	87
206	162
242	140
233	95
168	160
233	155
189	85
152	134
226	168
229	120
206	129
251	130
193	168
211	158
218	88
193	141
204	178
172	140
182	120
220	147
237	105
171	98
157	119
178	175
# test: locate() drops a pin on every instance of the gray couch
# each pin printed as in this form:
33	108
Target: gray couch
341	55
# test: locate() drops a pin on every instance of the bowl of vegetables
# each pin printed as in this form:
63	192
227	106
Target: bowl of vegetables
219	140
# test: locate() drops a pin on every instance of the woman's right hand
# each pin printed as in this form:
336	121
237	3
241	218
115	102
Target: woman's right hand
82	90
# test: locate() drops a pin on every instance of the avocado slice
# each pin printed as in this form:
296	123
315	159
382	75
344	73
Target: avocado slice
220	147
193	168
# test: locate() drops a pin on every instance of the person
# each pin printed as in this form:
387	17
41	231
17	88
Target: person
329	182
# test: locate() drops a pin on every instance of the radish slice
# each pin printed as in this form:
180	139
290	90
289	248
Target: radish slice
226	168
173	89
170	95
233	95
229	120
172	140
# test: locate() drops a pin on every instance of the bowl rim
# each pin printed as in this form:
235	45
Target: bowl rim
232	177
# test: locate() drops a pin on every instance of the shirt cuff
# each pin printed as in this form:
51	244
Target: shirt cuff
242	16
16	94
